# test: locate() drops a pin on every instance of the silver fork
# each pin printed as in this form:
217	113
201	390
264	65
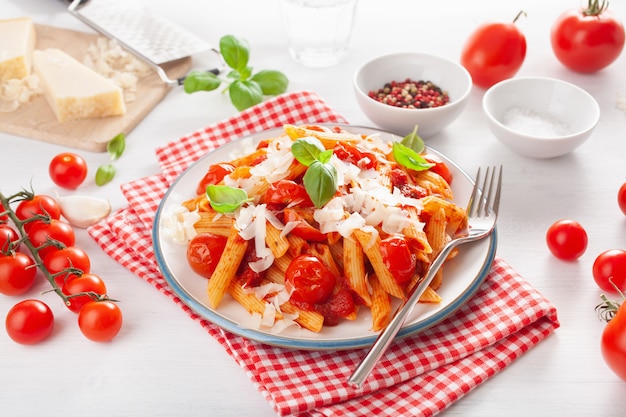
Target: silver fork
482	211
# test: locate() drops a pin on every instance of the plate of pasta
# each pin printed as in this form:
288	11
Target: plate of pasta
308	236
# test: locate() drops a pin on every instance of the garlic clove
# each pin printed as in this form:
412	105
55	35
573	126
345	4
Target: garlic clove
83	211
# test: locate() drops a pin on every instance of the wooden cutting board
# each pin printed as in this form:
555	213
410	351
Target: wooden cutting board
36	120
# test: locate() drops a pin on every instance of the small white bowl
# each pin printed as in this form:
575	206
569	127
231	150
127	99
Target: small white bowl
446	74
540	117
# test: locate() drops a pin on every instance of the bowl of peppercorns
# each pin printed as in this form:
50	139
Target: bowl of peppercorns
401	90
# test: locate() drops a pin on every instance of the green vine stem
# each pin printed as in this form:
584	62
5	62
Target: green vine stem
595	7
24	240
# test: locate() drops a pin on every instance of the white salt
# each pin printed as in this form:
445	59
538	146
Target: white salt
532	123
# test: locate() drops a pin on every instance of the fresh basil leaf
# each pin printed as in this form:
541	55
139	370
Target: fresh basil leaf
413	141
324	157
201	81
235	52
225	199
105	174
244	94
307	150
272	82
320	182
116	146
245	73
408	158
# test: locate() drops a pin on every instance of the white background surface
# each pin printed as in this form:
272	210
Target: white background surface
164	364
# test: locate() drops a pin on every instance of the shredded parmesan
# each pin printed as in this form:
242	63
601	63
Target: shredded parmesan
178	223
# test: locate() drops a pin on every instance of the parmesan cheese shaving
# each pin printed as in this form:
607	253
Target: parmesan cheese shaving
178	223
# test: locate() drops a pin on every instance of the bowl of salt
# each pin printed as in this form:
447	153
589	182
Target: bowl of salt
540	117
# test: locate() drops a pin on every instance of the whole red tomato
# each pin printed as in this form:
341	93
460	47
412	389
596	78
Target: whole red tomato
589	39
311	279
609	270
613	342
90	284
204	252
68	170
100	321
17	273
29	322
62	259
567	239
39	205
398	258
41	234
621	198
494	52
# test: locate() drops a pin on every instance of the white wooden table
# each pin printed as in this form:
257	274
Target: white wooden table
164	364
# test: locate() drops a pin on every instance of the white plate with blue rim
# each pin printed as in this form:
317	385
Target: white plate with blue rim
463	275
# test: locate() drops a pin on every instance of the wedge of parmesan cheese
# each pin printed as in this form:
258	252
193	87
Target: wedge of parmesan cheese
17	42
73	90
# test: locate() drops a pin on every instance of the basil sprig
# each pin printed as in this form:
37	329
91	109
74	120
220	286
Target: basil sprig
320	179
225	199
245	87
115	149
407	152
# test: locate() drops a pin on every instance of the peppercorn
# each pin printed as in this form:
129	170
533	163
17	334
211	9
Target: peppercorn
410	94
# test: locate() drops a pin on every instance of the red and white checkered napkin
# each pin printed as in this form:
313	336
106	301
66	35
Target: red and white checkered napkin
419	376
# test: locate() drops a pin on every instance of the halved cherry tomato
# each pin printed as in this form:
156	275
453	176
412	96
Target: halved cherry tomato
214	175
286	192
360	157
587	39
204	252
41	232
29	322
17	273
68	170
71	256
398	258
439	167
100	321
311	279
494	52
86	283
303	228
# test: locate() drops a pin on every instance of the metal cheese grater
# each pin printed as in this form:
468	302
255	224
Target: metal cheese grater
150	38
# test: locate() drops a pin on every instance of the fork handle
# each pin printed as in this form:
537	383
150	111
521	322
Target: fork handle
387	335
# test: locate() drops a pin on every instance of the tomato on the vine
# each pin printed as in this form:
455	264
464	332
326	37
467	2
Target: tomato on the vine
494	52
17	273
41	232
588	39
613	341
59	260
29	322
311	279
100	321
68	170
621	198
567	239
40	204
609	270
8	238
86	283
3	216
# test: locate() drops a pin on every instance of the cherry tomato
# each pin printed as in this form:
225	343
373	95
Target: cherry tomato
83	284
17	273
204	252
100	321
439	167
41	232
588	39
567	239
68	170
40	204
214	175
8	237
303	228
29	322
613	343
311	279
621	198
398	258
609	270
59	260
494	52
286	192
